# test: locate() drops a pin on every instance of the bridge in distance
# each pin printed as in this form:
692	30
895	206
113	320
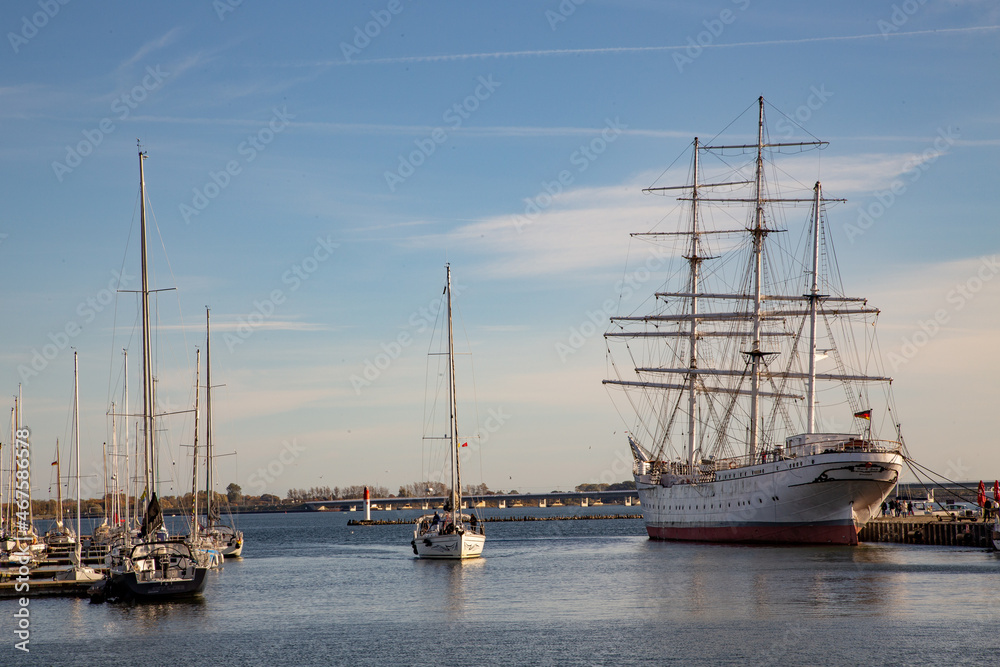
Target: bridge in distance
942	493
586	498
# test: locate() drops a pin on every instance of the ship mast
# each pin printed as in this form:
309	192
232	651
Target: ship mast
814	297
59	513
194	456
695	261
759	232
456	476
209	482
76	429
148	430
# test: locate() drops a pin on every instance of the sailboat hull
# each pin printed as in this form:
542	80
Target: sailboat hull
455	546
822	499
162	588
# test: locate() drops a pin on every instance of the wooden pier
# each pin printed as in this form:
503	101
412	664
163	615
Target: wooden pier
928	530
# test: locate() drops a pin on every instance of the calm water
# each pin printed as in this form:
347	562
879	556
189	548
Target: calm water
313	591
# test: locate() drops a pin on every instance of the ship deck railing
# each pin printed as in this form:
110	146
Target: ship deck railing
705	471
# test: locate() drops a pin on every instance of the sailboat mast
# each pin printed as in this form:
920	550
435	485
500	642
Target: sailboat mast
59	513
194	456
456	476
148	430
758	232
116	502
76	429
695	261
128	526
208	420
813	306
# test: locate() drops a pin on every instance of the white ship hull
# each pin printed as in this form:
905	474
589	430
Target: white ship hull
454	546
824	498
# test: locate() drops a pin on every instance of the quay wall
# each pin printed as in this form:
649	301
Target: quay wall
914	530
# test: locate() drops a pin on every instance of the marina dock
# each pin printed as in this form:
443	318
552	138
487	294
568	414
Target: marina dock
928	530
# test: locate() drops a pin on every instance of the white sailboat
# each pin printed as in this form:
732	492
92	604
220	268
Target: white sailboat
225	537
727	444
77	571
60	537
453	534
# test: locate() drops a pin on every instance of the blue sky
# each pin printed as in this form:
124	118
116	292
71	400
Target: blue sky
309	181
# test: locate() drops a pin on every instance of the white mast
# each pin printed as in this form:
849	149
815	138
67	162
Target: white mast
76	429
456	476
758	232
814	297
148	430
194	466
695	261
59	512
116	500
128	516
208	421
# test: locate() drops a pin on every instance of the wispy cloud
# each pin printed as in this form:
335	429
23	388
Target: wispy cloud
149	47
616	50
585	230
231	323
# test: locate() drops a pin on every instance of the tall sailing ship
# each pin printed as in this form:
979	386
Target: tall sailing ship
754	377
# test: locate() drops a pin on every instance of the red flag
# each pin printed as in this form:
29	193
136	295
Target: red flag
55	463
864	414
996	491
465	444
981	494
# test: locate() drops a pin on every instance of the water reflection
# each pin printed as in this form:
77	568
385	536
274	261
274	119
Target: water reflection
141	617
726	581
450	585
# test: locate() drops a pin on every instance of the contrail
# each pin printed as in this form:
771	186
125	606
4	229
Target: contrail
640	49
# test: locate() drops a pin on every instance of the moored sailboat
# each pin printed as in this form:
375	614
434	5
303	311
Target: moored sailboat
221	535
722	449
77	571
453	535
150	565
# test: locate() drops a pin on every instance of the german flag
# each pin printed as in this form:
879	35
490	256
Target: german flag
864	414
